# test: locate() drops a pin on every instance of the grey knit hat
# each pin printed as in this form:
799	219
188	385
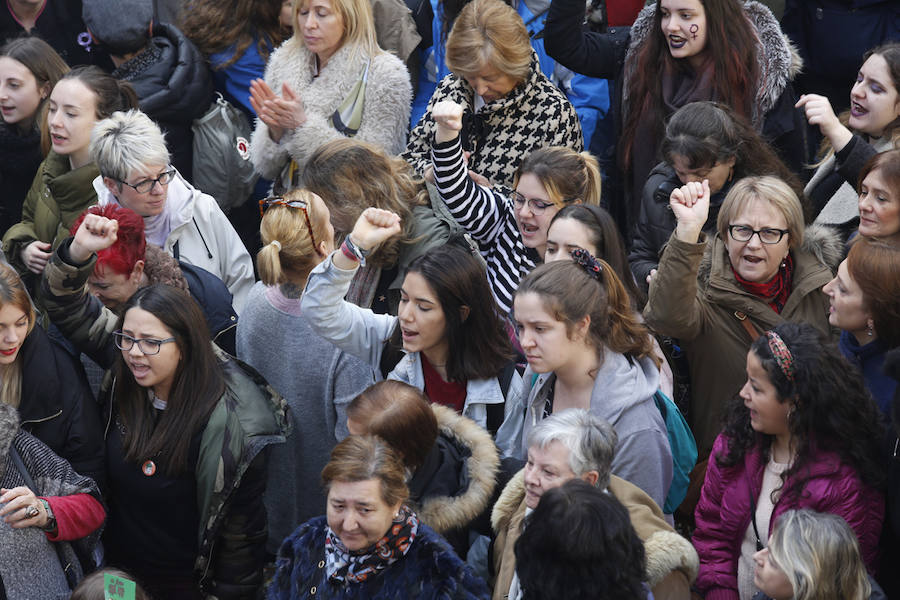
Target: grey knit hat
122	26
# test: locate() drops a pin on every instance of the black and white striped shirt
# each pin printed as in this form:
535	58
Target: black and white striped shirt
489	217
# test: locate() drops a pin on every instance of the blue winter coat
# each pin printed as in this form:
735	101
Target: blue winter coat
429	571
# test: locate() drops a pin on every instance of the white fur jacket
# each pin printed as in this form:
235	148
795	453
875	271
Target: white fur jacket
385	120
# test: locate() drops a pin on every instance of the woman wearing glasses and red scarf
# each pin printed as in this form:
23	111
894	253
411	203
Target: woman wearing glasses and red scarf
186	426
510	228
804	433
762	267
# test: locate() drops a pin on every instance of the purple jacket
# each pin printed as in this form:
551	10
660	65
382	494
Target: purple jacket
723	513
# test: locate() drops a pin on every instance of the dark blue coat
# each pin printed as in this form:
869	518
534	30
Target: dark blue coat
429	571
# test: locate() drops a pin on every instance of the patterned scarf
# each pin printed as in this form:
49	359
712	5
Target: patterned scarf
776	291
355	567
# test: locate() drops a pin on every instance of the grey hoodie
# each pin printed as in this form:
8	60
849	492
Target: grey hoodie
623	396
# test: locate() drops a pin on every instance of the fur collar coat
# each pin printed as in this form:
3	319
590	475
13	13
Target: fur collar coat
456	483
385	119
778	60
672	562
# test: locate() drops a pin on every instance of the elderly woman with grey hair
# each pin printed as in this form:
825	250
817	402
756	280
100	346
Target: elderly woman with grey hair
136	172
574	444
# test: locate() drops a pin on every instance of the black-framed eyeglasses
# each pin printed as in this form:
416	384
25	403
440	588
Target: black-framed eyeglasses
536	206
767	235
148	346
142	187
266	203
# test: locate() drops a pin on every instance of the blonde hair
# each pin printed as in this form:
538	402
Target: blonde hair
12	291
819	554
566	175
489	32
287	248
763	188
358	21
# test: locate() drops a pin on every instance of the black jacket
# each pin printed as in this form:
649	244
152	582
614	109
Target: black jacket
657	221
57	405
455	484
214	299
174	86
20	157
60	25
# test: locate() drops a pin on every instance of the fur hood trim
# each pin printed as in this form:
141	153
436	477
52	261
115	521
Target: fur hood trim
510	499
666	550
443	513
9	428
822	241
779	61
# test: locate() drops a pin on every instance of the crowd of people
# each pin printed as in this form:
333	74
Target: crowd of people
530	299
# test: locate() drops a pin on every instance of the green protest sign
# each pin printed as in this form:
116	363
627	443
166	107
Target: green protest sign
117	588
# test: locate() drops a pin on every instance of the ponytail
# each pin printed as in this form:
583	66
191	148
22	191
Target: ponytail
288	251
566	175
592	179
128	98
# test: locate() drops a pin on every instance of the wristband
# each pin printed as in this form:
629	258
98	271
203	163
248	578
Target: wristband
358	253
348	253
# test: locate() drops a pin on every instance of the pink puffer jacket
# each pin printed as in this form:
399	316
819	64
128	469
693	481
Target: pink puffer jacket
723	513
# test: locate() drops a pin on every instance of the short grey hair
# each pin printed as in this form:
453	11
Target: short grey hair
127	142
591	441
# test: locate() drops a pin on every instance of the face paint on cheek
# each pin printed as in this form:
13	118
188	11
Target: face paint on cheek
694	29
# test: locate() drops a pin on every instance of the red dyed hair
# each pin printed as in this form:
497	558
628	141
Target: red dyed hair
130	244
731	42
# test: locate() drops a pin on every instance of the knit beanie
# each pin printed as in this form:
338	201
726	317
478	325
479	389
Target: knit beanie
121	26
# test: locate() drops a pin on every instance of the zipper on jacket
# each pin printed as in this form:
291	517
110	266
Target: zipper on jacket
45	419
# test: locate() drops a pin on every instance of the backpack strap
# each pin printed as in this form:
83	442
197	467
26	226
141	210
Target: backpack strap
496	413
392	353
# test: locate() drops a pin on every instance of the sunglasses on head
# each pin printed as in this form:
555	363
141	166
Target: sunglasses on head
266	203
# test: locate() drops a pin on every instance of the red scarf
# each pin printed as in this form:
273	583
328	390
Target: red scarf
775	291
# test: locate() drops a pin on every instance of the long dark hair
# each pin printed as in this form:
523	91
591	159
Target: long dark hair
732	44
606	239
705	133
832	411
479	345
196	389
580	539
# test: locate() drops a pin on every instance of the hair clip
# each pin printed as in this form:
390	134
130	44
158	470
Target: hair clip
590	264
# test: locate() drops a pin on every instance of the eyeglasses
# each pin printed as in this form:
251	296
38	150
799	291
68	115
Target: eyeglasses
536	206
303	205
142	187
148	346
768	235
